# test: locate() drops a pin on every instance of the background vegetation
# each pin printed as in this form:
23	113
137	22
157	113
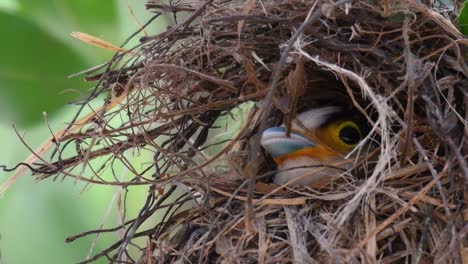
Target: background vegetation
37	54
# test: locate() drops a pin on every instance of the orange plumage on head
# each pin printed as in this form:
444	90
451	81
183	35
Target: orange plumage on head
320	153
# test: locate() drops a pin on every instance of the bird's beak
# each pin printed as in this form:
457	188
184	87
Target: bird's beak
277	144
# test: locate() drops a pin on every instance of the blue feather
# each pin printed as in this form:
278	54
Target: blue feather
275	142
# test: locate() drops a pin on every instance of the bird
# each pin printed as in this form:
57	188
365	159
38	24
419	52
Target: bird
319	139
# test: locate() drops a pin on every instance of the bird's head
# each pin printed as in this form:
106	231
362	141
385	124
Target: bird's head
321	134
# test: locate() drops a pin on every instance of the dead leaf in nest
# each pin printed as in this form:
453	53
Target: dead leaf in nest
295	84
252	79
246	8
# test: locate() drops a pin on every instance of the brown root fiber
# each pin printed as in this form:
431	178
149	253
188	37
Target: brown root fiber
229	65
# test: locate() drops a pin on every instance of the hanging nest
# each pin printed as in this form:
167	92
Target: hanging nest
197	96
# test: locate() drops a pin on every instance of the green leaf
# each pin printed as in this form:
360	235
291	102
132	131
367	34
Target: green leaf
60	18
33	71
463	18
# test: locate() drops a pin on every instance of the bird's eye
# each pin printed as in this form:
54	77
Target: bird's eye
341	136
350	135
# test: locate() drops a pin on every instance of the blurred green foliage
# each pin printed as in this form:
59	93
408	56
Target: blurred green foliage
463	18
34	64
36	56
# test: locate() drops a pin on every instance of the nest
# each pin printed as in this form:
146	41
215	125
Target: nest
226	69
